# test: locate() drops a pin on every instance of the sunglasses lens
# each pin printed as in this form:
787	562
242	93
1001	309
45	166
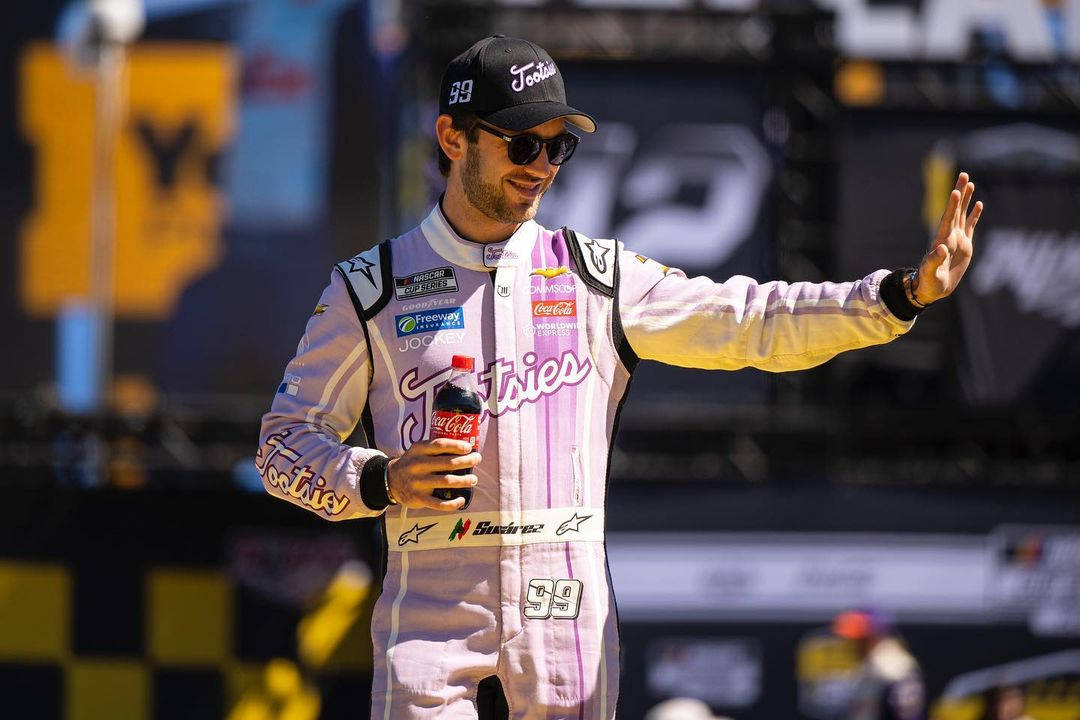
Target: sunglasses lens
523	149
561	148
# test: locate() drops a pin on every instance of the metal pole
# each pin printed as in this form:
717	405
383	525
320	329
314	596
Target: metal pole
109	103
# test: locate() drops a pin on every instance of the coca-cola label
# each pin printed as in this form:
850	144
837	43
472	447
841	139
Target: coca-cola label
554	308
456	426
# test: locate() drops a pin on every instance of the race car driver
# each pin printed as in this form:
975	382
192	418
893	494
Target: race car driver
505	607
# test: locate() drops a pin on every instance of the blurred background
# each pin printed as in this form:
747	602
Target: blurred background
209	160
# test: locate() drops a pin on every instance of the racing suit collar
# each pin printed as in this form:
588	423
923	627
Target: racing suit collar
446	242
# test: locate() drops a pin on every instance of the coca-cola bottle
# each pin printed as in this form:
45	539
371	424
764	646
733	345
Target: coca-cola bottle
455	414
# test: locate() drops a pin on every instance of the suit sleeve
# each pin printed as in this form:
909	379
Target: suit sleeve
775	326
302	456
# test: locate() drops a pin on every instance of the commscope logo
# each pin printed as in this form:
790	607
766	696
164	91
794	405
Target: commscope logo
429	320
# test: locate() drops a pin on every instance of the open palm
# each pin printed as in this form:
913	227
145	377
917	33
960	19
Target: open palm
951	248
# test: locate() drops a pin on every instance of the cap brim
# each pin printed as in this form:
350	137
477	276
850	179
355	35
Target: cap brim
527	115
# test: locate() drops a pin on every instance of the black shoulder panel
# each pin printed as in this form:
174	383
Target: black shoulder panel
370	279
597	261
622	345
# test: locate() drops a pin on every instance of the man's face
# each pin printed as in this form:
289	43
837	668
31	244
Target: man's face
498	188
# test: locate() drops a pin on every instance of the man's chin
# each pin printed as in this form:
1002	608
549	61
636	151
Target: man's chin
518	212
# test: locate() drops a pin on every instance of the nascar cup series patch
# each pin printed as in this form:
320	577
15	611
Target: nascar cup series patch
428	282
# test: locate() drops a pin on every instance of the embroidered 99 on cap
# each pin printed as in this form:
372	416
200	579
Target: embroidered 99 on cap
429	320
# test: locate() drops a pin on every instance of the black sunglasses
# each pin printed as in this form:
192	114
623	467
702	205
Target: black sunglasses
524	148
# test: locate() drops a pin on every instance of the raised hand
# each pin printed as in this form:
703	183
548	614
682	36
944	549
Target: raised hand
950	252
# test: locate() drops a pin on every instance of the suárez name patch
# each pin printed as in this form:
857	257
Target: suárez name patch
428	282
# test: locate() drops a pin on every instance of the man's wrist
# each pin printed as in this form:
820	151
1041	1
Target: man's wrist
386	484
911	287
894	295
373	488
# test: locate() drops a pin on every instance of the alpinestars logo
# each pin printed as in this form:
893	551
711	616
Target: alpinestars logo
598	254
413	536
460	529
573	524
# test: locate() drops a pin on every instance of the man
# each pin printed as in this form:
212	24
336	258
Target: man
889	685
506	606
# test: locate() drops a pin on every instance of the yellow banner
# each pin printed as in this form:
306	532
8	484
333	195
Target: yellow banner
180	108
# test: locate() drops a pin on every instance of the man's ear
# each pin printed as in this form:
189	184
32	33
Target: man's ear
451	141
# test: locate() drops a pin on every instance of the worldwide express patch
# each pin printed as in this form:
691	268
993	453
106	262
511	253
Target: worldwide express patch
430	320
429	282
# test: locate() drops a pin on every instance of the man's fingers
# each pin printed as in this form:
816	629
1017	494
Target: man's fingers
461	462
445	481
973	219
950	209
451	505
948	218
430	502
444	463
441	446
969	190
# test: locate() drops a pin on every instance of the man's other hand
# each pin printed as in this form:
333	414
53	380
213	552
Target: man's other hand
426	466
950	251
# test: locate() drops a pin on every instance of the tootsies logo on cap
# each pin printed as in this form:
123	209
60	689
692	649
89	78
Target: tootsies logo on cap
524	78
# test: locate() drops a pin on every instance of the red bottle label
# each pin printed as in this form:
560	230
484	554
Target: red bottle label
456	426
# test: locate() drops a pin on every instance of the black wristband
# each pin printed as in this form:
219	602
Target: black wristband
893	295
373	483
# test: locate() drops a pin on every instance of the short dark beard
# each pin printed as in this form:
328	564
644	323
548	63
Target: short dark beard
488	198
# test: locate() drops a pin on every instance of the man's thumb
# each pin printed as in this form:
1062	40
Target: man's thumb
937	256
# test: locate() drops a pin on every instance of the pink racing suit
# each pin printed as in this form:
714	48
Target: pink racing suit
515	586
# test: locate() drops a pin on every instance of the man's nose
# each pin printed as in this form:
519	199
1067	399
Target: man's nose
542	164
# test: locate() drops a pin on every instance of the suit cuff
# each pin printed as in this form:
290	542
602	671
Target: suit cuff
892	294
373	483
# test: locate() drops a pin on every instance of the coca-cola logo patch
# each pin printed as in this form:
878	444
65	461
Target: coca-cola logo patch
554	308
453	424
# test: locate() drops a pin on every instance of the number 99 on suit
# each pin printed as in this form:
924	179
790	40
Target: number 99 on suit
556	599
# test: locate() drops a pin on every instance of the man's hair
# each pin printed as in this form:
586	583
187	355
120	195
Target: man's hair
466	122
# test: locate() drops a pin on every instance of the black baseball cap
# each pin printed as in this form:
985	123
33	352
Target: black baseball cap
508	82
